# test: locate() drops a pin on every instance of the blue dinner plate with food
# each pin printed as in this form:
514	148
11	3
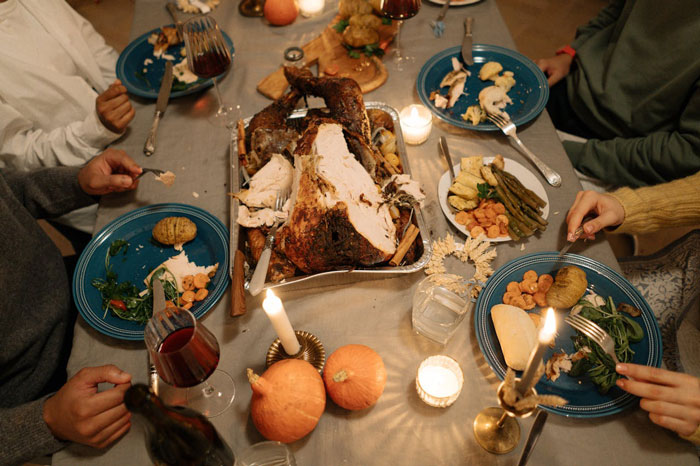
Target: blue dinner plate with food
584	390
529	94
125	250
140	67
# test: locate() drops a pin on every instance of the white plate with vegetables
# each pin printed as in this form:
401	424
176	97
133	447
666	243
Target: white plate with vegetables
525	176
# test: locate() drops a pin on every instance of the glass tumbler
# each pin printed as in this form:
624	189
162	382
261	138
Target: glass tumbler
437	311
266	454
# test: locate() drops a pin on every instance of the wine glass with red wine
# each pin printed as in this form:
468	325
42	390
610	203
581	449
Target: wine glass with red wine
400	10
208	57
186	355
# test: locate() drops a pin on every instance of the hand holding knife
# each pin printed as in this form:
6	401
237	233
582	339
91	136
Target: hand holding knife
163	95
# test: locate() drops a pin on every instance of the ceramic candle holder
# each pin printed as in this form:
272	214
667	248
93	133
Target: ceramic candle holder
416	123
439	381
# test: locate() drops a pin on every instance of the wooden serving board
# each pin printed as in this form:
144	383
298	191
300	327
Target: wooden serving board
328	52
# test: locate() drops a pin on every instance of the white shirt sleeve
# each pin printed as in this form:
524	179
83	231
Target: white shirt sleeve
105	56
22	146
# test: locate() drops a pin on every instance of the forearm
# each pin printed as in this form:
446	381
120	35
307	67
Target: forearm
657	158
48	192
664	206
605	18
24	434
24	147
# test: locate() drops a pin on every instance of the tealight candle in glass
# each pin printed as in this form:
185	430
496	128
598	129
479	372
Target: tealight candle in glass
439	381
309	8
416	123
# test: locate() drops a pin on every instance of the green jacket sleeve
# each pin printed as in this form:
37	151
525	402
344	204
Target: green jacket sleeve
640	161
605	18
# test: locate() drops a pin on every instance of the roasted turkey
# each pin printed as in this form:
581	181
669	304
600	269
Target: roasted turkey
339	217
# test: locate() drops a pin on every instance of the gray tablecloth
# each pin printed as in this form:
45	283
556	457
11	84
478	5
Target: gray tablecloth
400	429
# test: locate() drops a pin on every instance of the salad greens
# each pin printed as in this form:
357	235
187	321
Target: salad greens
624	330
125	300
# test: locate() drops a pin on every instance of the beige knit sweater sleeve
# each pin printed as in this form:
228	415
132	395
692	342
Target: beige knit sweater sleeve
665	205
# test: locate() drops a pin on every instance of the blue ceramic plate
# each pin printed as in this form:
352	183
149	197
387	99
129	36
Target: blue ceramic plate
529	95
144	80
209	247
584	398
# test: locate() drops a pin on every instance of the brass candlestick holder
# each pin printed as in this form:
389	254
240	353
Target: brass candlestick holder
311	351
496	429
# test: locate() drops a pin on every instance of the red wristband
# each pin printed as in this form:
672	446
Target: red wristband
567	50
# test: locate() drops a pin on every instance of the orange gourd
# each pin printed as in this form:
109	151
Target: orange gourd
288	400
355	376
280	12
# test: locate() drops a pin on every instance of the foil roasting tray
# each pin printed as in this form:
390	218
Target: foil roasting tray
236	231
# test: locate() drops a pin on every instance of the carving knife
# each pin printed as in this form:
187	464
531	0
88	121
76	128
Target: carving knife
163	95
467	42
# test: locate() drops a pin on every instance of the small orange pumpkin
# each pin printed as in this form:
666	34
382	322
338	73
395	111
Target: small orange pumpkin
355	376
288	400
280	12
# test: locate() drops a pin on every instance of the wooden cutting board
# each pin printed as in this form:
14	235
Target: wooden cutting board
328	52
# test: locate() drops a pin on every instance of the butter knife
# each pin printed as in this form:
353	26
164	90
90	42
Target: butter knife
532	437
467	42
445	151
163	95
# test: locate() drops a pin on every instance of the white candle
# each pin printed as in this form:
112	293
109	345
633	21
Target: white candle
545	337
439	381
310	8
416	123
275	311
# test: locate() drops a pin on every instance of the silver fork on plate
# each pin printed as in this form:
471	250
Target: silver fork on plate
508	128
257	281
155	171
594	332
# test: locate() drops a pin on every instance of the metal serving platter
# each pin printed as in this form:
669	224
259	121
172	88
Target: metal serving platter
235	229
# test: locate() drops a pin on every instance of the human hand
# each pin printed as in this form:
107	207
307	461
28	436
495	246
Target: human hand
609	210
671	398
108	172
78	413
556	68
114	108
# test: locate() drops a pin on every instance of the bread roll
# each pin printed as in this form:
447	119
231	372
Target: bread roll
516	334
174	230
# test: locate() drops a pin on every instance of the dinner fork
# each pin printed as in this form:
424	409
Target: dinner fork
258	279
155	171
595	333
508	128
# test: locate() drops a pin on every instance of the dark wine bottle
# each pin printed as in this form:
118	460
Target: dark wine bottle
177	436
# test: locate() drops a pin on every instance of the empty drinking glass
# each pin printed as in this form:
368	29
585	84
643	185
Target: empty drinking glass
266	454
437	311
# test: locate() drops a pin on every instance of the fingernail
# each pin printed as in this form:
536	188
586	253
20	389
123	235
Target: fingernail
570	237
588	229
620	368
621	383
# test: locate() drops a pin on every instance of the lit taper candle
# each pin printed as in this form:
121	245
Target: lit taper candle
546	334
275	311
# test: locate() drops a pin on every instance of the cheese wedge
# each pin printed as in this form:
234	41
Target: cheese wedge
516	333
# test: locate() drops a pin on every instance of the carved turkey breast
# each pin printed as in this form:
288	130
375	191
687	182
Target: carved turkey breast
337	215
